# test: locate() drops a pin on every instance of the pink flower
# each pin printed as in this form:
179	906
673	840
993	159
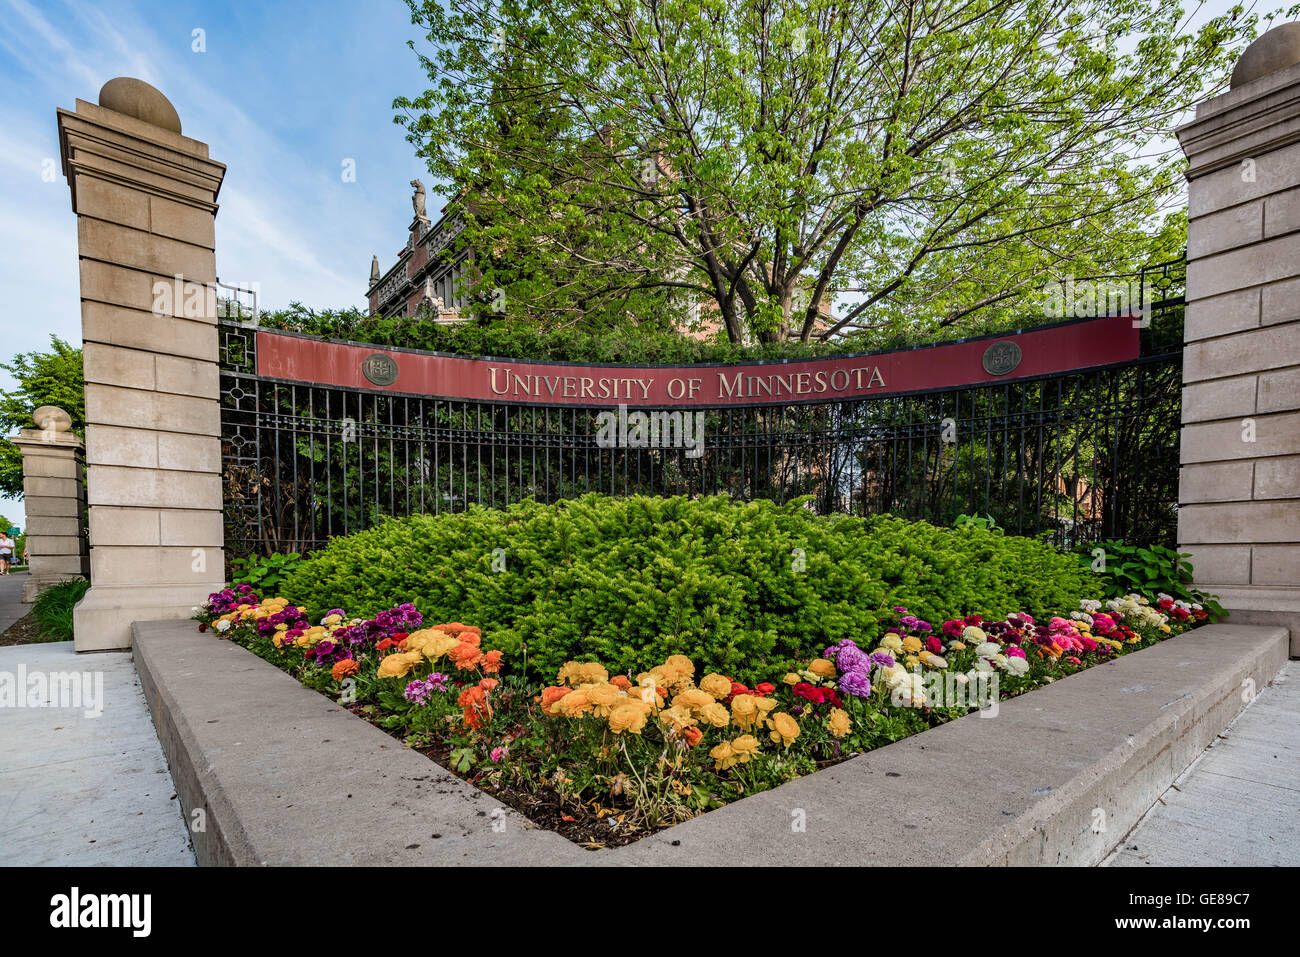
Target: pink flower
1073	660
498	753
1015	651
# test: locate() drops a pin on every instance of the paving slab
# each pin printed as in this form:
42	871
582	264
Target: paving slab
78	788
1238	804
1058	777
12	606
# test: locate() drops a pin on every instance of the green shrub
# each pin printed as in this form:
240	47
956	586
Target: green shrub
52	609
739	587
264	572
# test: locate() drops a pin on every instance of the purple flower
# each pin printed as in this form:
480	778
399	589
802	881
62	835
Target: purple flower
418	692
882	659
855	683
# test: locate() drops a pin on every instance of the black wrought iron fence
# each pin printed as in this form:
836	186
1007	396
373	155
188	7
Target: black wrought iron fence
1080	456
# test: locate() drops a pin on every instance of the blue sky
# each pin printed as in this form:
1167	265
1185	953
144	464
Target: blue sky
284	93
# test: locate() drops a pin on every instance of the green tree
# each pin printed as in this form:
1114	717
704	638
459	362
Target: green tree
919	164
42	378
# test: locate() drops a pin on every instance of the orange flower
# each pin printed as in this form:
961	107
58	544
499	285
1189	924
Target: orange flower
344	668
491	662
465	655
621	682
550	698
487	684
693	736
474	703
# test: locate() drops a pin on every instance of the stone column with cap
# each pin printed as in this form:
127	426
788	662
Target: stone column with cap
1239	492
145	198
54	498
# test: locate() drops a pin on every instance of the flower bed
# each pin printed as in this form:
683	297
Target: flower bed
605	759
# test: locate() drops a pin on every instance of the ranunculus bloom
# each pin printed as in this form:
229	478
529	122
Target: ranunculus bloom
693	736
621	682
716	685
629	716
551	697
343	669
715	714
744	710
822	667
397	665
745	747
465	656
784	728
491	662
839	724
723	755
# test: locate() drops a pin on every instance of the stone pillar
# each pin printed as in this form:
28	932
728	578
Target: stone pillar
1239	491
145	199
54	497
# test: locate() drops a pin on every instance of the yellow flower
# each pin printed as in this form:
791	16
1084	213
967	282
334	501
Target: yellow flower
822	668
582	673
957	646
723	755
891	642
629	716
791	678
715	714
784	728
395	666
911	660
603	698
693	700
911	644
744	710
574	704
839	723
715	685
745	747
677	718
681	664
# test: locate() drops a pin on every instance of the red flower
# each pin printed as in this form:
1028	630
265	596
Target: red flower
766	688
384	644
934	645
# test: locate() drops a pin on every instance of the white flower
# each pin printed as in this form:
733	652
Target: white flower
982	666
1017	666
1090	605
222	625
988	649
1082	616
971	633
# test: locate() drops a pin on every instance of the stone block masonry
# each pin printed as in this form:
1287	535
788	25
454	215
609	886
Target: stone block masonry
1239	498
145	198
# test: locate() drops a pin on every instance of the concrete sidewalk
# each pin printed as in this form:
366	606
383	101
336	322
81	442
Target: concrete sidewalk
1239	803
85	790
12	607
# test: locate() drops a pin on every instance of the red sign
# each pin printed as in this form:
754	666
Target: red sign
1064	347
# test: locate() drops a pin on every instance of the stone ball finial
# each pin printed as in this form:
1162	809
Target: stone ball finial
1275	50
50	418
137	98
